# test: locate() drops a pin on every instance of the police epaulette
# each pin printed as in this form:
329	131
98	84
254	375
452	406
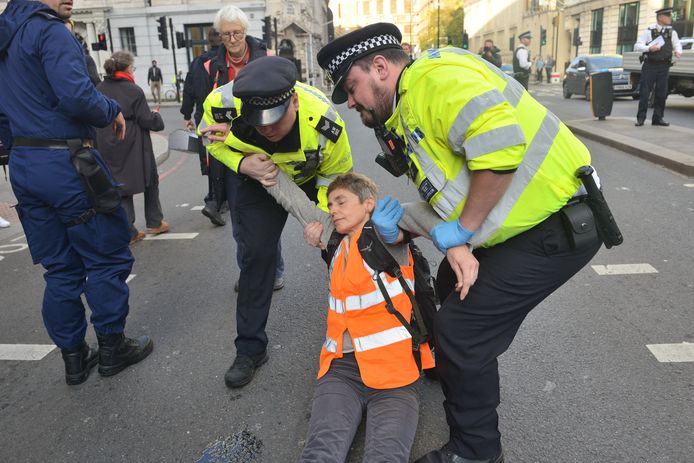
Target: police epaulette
329	128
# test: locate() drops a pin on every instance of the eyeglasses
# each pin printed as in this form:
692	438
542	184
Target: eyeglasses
237	35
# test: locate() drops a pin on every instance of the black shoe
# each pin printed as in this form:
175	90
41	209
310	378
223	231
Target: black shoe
445	455
660	122
117	352
242	370
78	363
639	122
210	211
279	284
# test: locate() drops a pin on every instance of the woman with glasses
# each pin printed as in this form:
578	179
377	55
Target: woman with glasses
132	160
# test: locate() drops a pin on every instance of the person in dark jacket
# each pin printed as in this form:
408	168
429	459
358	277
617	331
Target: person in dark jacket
84	250
132	160
217	70
491	53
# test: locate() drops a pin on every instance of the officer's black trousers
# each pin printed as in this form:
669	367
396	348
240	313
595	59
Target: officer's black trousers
653	74
514	277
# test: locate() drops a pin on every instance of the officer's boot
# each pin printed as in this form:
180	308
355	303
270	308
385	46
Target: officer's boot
117	352
78	363
211	211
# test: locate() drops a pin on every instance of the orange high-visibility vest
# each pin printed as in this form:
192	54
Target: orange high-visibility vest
382	345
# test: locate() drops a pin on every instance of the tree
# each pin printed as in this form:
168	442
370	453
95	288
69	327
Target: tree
454	27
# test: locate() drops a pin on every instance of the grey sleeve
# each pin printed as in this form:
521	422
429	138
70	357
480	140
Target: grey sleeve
419	218
294	200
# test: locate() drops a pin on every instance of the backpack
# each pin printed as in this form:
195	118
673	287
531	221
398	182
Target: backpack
424	300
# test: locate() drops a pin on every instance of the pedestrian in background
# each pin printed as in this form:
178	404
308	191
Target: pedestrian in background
132	160
80	240
178	82
657	43
154	79
549	66
539	68
491	53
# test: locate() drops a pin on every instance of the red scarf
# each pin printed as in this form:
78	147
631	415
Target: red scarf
123	75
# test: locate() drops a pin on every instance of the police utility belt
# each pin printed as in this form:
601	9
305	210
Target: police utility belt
102	193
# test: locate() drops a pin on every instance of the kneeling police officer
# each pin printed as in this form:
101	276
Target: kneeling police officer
282	124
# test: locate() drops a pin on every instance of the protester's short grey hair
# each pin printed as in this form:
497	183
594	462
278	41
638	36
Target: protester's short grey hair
359	184
119	61
231	13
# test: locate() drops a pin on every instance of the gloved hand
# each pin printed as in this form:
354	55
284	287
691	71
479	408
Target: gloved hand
385	217
449	235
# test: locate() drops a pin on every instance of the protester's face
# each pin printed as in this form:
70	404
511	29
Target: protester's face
62	7
233	37
347	212
281	128
367	95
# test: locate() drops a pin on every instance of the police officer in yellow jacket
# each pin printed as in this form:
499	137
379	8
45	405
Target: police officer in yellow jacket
500	168
276	123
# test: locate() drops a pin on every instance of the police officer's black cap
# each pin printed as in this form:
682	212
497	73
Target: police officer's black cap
338	56
265	87
665	11
526	35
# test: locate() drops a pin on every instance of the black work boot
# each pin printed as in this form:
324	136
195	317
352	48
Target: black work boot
242	370
78	363
117	352
445	455
211	212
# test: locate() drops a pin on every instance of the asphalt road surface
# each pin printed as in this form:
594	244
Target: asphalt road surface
579	383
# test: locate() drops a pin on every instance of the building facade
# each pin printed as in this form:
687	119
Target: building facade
352	14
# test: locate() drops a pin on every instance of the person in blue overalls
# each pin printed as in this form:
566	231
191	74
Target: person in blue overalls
46	100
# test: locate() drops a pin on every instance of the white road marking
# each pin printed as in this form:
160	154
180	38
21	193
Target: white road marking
172	236
197	208
24	351
665	353
623	269
10	248
17	239
185	205
689	185
130	277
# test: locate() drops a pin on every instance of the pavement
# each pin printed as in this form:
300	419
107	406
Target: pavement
668	146
160	146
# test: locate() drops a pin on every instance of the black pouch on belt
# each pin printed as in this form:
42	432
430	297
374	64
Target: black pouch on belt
103	196
579	223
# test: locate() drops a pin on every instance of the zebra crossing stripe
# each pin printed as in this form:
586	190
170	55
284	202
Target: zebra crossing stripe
670	353
25	351
623	269
171	236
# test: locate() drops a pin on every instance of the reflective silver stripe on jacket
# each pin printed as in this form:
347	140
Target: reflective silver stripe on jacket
330	345
227	92
336	305
325	181
493	140
381	339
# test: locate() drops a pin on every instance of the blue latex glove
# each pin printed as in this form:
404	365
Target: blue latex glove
449	235
385	217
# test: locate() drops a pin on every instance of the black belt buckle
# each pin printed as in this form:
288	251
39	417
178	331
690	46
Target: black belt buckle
579	224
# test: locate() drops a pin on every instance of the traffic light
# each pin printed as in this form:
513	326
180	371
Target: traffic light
466	43
180	40
163	32
102	42
543	36
267	30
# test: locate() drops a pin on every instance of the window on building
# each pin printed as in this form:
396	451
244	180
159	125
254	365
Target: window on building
393	6
408	6
683	17
197	34
127	39
408	29
628	28
379	7
365	8
596	31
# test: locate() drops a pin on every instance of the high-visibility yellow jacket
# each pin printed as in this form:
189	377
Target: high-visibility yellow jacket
382	345
459	113
324	152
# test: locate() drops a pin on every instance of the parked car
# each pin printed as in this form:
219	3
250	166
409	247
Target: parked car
576	79
687	43
507	69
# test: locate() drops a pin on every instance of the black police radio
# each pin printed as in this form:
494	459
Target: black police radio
393	157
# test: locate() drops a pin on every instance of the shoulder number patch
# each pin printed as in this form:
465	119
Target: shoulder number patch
329	128
223	114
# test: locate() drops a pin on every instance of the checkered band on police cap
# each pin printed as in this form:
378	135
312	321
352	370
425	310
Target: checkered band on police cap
263	102
361	48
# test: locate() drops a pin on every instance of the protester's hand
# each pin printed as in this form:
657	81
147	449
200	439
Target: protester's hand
654	48
216	132
156	109
385	217
465	266
259	167
678	54
447	235
189	124
119	127
312	234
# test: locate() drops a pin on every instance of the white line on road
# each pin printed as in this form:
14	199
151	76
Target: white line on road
171	236
17	239
130	277
623	269
197	208
24	351
689	185
665	353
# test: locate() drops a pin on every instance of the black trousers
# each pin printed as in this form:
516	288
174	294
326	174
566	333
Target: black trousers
653	74
523	78
514	277
260	222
